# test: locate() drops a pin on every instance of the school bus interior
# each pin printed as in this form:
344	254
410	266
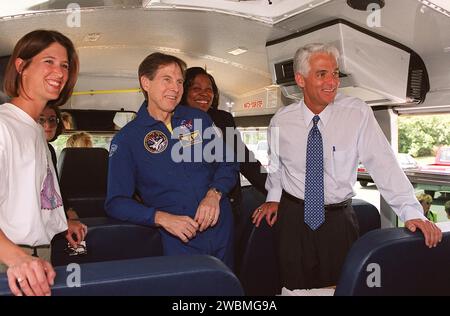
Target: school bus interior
396	57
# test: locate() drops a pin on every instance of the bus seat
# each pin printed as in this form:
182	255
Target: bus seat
394	261
162	276
83	176
251	199
110	239
259	268
367	214
259	264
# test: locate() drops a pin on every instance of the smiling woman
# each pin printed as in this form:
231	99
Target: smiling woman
42	71
56	69
47	75
201	92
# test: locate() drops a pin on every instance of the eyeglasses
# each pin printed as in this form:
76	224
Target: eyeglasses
52	121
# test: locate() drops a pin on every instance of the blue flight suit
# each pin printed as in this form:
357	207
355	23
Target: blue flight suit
142	160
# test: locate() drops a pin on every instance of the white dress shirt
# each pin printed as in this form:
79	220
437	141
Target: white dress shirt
350	134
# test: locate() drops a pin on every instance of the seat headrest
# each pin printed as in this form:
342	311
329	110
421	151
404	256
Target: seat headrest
83	171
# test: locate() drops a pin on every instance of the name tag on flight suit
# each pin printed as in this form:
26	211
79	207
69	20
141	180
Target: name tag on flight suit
190	139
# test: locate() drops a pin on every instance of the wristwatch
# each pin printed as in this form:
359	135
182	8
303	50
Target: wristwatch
215	190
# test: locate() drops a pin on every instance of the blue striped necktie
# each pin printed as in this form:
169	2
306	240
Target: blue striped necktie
314	191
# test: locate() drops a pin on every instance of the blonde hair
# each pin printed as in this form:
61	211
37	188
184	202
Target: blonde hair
424	198
80	139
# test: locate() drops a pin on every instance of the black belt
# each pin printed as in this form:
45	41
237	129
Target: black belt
329	207
35	248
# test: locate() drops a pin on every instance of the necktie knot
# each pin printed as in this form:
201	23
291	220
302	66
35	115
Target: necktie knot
316	119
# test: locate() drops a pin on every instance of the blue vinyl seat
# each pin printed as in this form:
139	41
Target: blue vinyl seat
83	176
157	276
126	259
110	239
394	261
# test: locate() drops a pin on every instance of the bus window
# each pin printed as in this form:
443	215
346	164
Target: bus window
255	138
427	139
100	140
100	124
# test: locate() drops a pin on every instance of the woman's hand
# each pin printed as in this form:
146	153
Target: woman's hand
30	276
77	228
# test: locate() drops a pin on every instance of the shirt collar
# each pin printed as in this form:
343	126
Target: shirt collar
145	119
24	115
324	115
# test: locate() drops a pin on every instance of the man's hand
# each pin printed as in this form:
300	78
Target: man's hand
30	276
180	226
208	210
431	232
269	210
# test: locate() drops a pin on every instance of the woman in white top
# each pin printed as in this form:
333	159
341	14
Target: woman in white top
42	70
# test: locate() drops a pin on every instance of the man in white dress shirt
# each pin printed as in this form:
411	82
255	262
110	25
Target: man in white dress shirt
312	255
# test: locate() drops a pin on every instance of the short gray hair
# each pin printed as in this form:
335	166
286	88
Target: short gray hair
303	54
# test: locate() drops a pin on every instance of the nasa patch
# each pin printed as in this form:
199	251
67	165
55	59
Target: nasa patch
156	142
187	124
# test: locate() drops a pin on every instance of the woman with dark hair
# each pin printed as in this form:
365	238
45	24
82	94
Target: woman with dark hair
51	122
201	92
42	70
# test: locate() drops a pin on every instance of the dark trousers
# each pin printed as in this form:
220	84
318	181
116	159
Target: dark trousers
312	259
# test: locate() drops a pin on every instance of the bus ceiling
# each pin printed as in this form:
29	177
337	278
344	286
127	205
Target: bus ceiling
396	54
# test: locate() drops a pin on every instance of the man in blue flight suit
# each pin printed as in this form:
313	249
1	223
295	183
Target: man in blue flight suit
163	156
